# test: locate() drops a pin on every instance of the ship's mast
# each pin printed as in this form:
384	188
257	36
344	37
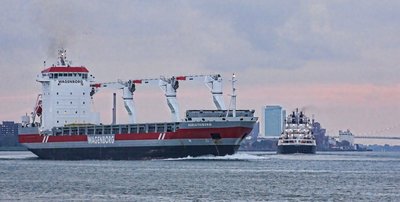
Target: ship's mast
232	104
62	58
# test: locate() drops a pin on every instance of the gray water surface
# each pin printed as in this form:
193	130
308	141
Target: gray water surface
262	176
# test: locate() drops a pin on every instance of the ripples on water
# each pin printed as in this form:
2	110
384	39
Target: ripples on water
344	176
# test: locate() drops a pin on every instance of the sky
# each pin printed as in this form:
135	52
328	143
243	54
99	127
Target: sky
337	60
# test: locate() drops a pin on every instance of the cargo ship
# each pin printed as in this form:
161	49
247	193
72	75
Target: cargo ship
297	135
63	125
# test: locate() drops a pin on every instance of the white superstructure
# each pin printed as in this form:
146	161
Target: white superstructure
65	97
297	135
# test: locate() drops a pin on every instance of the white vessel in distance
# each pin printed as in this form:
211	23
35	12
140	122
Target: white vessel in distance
297	135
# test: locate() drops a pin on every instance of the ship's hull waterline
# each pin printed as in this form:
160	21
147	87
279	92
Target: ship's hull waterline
293	149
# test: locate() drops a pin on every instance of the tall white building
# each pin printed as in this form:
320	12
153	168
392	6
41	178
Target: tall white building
273	120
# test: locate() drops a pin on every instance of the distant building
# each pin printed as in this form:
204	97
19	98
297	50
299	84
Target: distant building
9	134
8	128
320	137
273	120
346	136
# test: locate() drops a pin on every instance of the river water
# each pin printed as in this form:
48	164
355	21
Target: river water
262	176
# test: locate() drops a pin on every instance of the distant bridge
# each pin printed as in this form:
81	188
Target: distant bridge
374	137
377	137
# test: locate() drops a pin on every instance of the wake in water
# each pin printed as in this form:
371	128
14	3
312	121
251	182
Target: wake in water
17	155
235	157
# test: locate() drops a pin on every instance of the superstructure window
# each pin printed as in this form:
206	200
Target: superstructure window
50	76
55	76
70	74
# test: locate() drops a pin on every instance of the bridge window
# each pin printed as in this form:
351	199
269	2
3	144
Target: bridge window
55	76
50	76
70	74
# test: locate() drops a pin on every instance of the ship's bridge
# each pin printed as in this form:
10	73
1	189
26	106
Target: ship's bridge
64	73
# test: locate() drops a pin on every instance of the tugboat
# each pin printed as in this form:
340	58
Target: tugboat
68	129
297	135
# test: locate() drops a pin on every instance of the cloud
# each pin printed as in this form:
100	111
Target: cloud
267	43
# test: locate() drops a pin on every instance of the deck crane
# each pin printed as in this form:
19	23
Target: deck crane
128	87
169	86
214	83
